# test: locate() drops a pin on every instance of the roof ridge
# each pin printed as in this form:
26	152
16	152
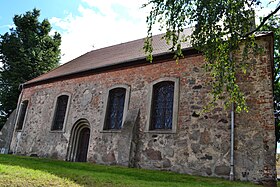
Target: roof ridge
108	56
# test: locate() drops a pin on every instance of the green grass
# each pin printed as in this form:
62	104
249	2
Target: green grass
27	171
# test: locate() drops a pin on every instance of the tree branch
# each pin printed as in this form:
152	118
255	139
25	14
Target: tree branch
263	21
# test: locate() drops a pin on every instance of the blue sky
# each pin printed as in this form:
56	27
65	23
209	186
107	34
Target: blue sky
84	24
50	8
87	24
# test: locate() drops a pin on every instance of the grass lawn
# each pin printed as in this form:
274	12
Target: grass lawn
27	171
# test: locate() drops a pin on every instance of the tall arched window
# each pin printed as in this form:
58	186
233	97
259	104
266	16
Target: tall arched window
162	105
21	115
115	109
60	112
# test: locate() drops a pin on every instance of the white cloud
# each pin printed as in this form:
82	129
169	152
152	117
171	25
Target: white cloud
7	26
265	9
100	24
104	23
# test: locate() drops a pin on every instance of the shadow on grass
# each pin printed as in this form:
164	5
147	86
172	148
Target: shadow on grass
89	174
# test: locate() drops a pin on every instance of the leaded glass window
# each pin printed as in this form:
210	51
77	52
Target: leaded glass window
162	105
22	113
115	108
60	112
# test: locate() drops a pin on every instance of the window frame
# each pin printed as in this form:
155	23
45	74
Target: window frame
66	112
106	108
149	127
19	114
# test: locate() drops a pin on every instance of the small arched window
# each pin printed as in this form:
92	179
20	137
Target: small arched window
60	112
162	105
115	109
22	114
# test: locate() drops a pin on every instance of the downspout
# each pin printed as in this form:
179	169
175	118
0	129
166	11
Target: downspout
231	174
16	116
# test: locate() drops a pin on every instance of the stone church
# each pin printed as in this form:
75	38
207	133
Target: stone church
111	106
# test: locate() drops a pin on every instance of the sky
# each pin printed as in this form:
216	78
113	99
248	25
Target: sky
86	25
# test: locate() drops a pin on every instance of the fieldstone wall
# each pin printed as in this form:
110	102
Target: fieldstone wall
201	143
6	134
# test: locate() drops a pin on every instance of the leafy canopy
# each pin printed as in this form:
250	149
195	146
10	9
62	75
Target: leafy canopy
219	27
26	51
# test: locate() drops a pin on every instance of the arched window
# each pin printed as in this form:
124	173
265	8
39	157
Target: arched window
60	112
162	105
115	109
21	115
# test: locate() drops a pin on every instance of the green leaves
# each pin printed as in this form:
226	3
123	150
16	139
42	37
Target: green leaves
220	27
26	52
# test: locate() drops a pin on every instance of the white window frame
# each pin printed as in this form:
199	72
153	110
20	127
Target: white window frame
66	113
148	127
25	115
106	104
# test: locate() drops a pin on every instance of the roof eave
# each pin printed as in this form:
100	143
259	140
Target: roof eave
131	62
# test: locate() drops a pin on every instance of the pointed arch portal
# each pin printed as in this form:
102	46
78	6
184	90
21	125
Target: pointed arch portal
79	141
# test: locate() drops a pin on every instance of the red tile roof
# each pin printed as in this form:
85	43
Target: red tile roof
108	56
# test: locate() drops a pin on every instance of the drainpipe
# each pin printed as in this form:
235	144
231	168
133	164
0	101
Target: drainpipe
231	174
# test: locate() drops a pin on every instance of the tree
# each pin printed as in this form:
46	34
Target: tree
26	52
219	28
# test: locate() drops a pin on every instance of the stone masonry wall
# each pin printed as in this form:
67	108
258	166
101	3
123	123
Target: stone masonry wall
6	134
201	143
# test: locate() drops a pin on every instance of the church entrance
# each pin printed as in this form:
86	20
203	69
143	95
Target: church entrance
79	141
82	148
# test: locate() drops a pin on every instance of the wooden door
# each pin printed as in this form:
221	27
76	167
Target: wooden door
83	145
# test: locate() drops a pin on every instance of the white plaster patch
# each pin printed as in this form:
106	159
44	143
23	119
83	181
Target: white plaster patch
87	96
